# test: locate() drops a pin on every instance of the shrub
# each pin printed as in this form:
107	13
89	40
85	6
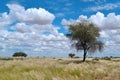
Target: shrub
76	57
95	59
106	58
59	59
19	54
71	55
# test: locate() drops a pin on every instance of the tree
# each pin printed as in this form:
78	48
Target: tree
71	55
85	36
19	54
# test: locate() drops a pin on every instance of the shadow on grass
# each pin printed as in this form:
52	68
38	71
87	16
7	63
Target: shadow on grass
6	59
77	62
116	60
10	58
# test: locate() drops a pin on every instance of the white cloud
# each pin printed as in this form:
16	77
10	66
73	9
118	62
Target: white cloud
21	27
31	31
66	22
32	41
103	34
111	21
95	1
31	15
97	19
5	19
108	6
59	14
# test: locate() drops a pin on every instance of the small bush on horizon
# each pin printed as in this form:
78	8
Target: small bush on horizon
106	58
71	55
19	54
76	57
95	59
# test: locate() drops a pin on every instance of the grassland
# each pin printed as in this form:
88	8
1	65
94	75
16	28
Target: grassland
59	69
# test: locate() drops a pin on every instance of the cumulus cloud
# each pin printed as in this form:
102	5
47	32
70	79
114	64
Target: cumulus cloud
5	19
66	22
111	21
30	30
33	41
21	27
31	15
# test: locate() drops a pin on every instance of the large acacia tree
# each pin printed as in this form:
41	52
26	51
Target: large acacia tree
85	36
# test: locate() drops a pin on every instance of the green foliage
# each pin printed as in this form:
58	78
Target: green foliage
85	36
19	54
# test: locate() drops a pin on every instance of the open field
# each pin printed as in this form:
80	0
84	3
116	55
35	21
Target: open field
59	69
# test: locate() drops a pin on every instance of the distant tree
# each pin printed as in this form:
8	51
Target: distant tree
19	54
71	55
85	36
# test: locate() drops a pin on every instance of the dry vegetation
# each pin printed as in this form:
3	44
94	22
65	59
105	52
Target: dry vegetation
59	69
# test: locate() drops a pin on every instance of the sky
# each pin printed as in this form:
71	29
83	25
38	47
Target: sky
37	27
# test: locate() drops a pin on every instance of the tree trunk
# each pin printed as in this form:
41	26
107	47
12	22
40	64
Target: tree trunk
84	56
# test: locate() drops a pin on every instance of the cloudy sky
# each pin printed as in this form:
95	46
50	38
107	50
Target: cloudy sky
37	27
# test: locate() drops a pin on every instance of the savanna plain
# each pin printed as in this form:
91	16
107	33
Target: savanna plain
59	69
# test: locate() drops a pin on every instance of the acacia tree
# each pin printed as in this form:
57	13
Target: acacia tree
84	36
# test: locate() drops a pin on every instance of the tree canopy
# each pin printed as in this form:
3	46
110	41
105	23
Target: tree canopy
85	36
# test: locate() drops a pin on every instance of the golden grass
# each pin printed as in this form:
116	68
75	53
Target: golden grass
59	69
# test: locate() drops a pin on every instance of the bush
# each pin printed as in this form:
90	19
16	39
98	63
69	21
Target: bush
76	57
19	54
106	58
71	55
95	59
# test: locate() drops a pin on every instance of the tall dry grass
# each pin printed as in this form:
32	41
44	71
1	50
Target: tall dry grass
59	69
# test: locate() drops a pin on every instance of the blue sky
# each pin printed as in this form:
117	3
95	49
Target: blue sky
37	27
